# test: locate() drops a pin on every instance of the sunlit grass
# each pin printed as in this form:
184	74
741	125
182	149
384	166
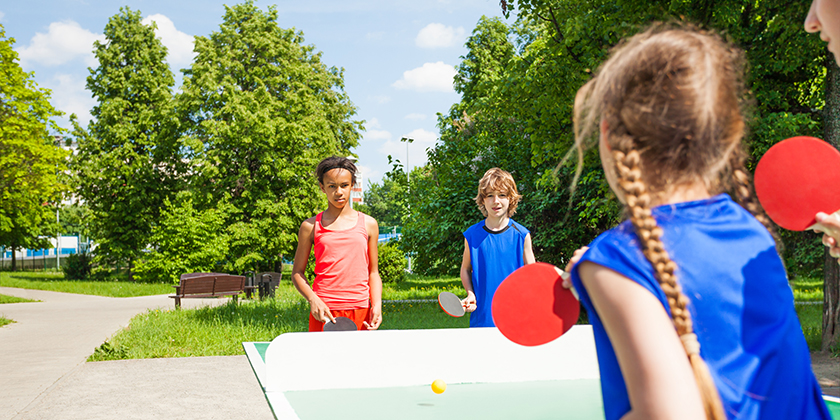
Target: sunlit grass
807	290
55	282
219	331
5	321
14	299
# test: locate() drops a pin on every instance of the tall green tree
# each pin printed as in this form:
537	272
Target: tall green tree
388	203
30	158
128	162
260	111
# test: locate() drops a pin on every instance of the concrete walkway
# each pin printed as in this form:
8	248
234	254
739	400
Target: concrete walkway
43	374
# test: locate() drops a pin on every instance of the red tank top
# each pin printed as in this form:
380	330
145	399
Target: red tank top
342	265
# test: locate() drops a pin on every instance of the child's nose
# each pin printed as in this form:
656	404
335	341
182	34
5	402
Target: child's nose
812	24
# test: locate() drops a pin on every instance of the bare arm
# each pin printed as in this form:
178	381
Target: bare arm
306	237
659	379
374	280
466	279
529	251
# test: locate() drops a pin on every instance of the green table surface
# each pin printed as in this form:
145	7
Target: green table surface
533	400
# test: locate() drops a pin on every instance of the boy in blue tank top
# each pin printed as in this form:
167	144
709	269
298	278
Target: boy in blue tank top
493	247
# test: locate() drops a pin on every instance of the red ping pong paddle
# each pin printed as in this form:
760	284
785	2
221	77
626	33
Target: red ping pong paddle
341	324
451	304
796	179
531	307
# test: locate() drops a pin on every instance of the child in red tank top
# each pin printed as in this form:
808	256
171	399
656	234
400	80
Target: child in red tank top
347	281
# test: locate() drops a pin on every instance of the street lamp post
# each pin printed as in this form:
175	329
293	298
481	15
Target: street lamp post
408	140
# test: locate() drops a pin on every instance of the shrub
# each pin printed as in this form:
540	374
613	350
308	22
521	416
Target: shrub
77	266
392	263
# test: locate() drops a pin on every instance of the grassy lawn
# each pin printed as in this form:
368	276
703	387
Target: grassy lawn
807	290
5	321
55	282
14	299
217	331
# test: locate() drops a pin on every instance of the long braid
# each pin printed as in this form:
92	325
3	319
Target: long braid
638	201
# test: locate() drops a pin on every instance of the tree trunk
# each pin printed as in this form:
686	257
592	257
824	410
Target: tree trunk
831	288
14	259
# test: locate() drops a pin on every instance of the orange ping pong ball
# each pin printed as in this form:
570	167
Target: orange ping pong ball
438	386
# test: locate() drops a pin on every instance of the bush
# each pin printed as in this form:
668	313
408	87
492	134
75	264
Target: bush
76	267
392	263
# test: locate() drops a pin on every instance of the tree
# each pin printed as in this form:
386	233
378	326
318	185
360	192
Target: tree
387	203
831	287
128	162
30	159
260	111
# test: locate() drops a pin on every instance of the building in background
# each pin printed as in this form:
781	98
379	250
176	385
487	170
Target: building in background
357	195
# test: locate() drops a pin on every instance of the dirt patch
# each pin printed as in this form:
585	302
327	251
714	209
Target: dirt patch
827	370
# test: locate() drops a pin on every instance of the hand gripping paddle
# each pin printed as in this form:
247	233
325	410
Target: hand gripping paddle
796	179
531	307
341	324
450	304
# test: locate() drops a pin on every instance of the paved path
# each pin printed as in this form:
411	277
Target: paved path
43	374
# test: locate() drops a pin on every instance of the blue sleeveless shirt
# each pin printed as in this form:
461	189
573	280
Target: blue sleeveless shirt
740	303
493	255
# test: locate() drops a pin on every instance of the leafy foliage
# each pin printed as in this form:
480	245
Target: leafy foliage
128	163
518	86
260	110
187	240
392	263
30	160
76	266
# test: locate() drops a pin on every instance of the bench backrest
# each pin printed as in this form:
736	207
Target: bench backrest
275	277
211	283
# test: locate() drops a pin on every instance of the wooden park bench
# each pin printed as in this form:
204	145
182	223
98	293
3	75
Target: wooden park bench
206	285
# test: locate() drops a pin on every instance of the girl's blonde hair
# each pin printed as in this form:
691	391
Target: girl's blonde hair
669	100
499	180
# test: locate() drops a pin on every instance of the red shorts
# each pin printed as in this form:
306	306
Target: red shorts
357	315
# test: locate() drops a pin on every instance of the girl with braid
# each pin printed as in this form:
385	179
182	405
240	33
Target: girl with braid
689	301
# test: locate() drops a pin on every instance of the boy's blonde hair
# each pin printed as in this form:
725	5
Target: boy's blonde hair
500	180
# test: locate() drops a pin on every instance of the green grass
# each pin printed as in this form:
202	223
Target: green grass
5	321
807	290
810	317
14	299
55	282
219	331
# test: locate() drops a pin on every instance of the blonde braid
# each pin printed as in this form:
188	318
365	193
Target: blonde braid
638	201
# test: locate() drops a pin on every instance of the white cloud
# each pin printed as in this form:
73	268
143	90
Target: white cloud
374	36
417	150
381	99
69	95
431	77
415	116
178	44
436	35
64	42
373	123
377	135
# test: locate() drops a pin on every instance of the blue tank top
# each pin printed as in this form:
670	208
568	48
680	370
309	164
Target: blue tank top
741	305
493	255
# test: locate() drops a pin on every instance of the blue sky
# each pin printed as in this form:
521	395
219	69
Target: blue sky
398	56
